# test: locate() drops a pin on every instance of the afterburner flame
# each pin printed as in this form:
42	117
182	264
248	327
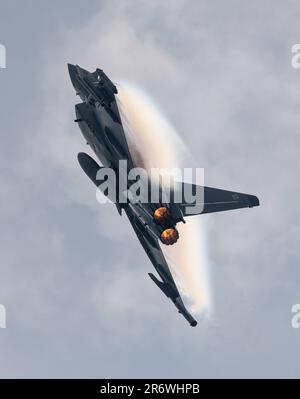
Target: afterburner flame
162	215
169	236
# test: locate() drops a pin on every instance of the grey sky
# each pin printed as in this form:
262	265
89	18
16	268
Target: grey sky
72	276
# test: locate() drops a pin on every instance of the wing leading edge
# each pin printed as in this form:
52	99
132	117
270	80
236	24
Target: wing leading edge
168	290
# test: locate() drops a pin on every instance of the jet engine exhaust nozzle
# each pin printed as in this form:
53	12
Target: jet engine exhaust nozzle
162	215
169	236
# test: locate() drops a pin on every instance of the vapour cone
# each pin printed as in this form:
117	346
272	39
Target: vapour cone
154	143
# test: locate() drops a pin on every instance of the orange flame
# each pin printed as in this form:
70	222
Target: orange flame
162	215
169	236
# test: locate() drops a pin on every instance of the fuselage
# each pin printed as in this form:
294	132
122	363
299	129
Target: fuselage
100	123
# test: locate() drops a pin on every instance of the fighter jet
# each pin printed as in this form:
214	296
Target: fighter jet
154	222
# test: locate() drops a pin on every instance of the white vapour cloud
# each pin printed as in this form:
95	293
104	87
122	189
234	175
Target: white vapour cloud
154	143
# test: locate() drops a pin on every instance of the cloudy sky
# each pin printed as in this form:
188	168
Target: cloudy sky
73	278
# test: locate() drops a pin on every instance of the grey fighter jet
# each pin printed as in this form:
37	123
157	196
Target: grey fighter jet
154	222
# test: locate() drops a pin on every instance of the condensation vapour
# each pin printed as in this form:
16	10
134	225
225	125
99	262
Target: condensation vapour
154	143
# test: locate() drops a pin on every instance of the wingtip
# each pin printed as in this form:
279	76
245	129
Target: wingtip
254	201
